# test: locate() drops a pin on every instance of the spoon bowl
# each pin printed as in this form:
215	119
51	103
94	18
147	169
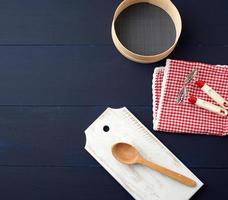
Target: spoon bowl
125	153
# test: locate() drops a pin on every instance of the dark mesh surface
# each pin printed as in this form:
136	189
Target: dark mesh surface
145	29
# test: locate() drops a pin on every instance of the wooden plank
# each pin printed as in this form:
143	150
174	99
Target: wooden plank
69	76
87	183
54	136
55	22
50	22
201	26
58	183
83	75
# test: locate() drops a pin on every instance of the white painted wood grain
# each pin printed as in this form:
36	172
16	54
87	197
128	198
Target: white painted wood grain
141	182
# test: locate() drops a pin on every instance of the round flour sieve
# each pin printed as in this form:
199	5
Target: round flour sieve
146	31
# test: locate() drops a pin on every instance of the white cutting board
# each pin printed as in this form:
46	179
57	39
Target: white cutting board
141	182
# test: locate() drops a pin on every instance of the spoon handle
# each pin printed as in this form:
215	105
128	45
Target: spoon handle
167	172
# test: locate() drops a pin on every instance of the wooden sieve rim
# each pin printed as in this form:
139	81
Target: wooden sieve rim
169	8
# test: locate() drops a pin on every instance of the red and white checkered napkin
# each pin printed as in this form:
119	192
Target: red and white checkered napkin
169	116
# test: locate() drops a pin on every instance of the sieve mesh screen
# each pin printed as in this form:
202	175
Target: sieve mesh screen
145	29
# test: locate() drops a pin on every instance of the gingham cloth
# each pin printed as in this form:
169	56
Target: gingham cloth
169	116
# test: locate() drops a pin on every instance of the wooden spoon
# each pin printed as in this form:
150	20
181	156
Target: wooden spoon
127	154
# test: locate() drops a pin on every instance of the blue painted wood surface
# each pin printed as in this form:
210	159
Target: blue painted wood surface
59	70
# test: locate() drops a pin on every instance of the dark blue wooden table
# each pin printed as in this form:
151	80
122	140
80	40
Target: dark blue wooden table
59	70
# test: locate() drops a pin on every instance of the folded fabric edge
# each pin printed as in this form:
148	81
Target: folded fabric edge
156	71
222	66
163	90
